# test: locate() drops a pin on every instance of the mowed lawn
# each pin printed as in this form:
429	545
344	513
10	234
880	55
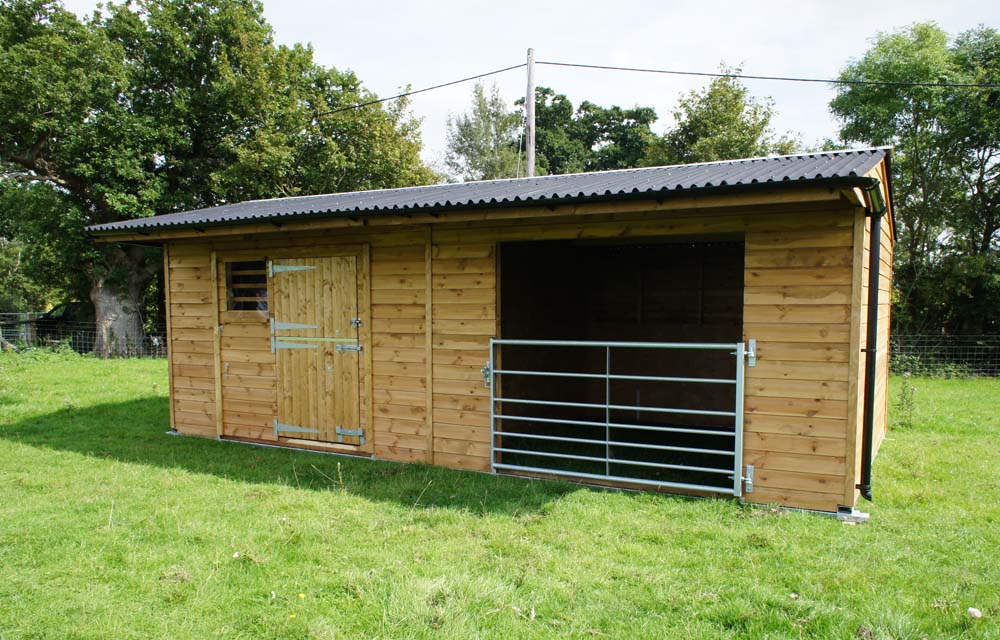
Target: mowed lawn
110	528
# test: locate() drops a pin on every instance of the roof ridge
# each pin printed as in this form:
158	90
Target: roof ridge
566	175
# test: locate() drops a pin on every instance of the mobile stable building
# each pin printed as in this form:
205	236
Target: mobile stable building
712	328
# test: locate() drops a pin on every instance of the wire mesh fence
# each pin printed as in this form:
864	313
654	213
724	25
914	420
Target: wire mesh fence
917	355
35	331
945	356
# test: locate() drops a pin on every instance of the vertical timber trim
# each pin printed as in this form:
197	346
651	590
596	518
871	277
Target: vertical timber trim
170	346
854	359
364	276
429	339
217	344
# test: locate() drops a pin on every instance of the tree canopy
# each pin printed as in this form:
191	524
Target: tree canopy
722	121
156	106
483	143
946	169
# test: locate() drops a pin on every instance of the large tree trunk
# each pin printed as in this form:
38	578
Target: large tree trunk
118	294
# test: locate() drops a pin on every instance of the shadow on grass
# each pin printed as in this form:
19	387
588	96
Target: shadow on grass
136	431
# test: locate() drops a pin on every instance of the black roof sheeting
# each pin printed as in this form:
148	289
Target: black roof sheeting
832	166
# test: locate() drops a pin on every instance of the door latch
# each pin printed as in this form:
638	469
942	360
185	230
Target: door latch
487	375
355	322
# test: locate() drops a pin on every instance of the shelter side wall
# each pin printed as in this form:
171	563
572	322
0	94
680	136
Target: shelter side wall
863	257
191	349
798	307
885	321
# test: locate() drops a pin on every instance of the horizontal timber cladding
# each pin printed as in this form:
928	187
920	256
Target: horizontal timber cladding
434	307
191	338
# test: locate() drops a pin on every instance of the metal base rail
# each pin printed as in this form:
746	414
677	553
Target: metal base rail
734	451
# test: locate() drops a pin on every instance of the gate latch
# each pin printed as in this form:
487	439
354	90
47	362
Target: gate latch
487	375
748	480
356	433
347	347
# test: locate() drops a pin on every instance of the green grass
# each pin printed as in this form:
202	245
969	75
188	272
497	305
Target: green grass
110	528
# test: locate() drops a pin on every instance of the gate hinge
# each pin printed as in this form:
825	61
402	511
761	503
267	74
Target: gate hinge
342	432
487	375
748	480
751	353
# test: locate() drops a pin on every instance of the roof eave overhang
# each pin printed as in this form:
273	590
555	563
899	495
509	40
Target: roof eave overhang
159	234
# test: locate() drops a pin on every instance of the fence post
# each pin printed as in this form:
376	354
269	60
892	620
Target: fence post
29	328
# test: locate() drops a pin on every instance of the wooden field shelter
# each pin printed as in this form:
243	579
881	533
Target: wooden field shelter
715	328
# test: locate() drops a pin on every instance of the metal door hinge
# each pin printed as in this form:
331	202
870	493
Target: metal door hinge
284	268
348	347
281	344
354	433
282	326
290	428
748	480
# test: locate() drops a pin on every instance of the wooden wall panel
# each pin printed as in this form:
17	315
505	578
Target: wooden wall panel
463	286
191	338
798	292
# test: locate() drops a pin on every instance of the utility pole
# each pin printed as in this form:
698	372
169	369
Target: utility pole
529	116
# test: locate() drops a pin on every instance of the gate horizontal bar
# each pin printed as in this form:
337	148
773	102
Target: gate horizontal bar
644	427
616	407
601	376
613	443
657	465
721	346
593	476
619	425
664	447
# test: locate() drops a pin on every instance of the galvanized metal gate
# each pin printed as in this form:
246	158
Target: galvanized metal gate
518	437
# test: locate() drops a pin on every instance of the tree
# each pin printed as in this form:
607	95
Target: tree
720	122
157	106
589	138
483	144
946	174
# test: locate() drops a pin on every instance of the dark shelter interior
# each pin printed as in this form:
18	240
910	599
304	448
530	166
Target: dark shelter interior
669	290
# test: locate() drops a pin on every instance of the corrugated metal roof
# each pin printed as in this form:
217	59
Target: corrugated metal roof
652	182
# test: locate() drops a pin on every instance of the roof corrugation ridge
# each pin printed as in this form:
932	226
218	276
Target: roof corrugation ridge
553	188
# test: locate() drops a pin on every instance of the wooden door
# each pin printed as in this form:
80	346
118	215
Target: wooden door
315	324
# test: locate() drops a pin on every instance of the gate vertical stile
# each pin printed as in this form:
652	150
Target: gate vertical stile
493	405
607	410
738	421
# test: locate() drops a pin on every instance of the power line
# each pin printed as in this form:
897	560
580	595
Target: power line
741	76
416	91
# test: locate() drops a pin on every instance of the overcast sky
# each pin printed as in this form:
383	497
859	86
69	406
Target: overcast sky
392	44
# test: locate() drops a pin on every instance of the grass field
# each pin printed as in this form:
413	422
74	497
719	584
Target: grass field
110	528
